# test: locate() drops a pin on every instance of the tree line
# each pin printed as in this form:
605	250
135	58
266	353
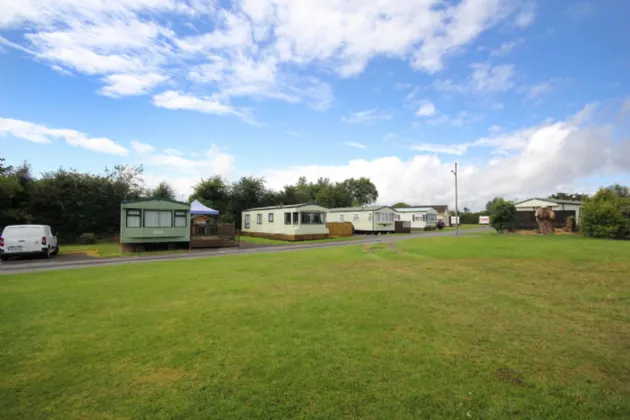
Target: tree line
73	203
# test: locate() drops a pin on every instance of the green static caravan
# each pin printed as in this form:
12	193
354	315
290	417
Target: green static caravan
154	221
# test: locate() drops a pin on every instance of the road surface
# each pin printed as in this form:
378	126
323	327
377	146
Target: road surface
19	267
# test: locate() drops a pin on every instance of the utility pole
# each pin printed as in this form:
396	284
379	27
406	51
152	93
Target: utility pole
456	203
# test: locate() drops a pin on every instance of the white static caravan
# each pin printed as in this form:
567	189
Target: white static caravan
295	222
369	219
419	217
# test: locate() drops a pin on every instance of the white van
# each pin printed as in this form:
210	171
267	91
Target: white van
23	240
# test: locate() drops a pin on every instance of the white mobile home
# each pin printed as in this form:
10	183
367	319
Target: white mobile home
296	222
419	217
366	219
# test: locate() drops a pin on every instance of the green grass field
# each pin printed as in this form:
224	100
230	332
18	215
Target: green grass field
487	327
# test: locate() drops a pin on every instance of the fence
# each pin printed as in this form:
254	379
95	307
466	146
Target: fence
338	229
527	219
212	235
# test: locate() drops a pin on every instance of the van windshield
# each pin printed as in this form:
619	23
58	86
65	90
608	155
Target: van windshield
22	232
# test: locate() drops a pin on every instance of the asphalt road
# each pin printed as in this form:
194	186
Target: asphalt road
30	266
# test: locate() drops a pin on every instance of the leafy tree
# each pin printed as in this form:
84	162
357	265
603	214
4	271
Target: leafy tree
620	190
467	210
163	190
213	192
607	214
490	204
246	193
568	196
502	215
362	190
4	170
401	205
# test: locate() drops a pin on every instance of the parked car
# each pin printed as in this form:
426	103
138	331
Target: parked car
24	240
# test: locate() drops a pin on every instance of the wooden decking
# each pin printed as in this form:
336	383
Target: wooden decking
214	235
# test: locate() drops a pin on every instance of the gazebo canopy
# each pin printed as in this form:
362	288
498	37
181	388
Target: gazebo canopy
197	208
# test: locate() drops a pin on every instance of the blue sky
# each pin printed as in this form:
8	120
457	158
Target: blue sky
530	97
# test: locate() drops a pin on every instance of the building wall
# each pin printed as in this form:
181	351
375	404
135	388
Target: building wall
361	219
278	226
131	235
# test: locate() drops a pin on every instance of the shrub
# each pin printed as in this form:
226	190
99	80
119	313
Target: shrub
606	215
87	239
440	224
502	216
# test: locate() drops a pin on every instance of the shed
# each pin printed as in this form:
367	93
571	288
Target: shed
295	222
154	220
419	217
369	219
534	204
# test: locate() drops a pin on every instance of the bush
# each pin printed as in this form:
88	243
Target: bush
87	239
502	216
606	215
440	225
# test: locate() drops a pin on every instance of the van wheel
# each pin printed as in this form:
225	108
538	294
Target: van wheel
3	257
47	253
56	251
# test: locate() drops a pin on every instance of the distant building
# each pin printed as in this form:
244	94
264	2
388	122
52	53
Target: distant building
442	212
534	204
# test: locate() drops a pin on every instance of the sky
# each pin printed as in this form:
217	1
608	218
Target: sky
529	98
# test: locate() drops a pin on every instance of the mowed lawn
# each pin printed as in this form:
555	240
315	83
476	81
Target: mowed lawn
481	327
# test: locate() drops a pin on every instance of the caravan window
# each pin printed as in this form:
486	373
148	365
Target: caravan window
259	219
246	221
158	218
133	218
180	218
270	217
287	218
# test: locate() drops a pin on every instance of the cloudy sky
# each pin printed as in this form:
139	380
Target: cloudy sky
529	97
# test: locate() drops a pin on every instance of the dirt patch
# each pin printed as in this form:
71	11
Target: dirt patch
372	248
510	376
394	247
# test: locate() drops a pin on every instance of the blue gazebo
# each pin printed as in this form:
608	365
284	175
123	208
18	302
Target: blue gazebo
196	208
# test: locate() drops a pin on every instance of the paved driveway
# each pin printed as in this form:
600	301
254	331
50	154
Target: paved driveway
62	262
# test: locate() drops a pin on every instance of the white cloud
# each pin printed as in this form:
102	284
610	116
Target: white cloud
450	149
41	134
131	84
250	48
534	163
207	105
355	144
487	78
142	148
494	129
506	47
540	89
526	16
484	78
426	109
367	116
